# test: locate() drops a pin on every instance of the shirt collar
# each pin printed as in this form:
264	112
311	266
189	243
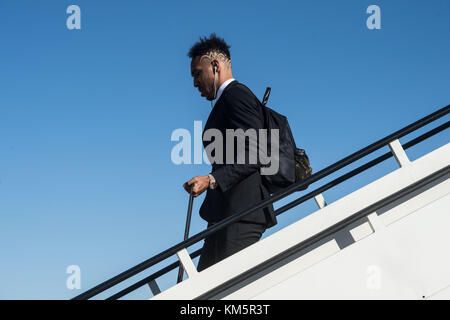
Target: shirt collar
222	87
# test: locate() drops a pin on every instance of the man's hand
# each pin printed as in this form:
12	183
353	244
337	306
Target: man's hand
201	183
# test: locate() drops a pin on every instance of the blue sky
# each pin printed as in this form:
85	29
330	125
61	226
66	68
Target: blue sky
86	116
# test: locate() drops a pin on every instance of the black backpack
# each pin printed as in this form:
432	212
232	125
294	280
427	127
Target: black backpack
294	164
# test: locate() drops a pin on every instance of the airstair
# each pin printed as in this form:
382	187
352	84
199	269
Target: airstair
387	240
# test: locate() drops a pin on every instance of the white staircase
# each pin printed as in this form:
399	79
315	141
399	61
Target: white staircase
387	240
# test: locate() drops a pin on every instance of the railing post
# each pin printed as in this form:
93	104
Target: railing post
187	263
154	287
320	200
399	153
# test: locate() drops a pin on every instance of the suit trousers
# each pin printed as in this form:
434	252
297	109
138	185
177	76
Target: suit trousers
228	241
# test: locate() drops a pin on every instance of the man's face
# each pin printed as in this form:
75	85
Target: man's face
201	71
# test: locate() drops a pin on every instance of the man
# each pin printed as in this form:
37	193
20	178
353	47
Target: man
231	187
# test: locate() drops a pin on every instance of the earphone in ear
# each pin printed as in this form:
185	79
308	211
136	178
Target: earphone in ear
215	92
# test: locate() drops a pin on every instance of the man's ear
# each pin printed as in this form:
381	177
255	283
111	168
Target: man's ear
215	66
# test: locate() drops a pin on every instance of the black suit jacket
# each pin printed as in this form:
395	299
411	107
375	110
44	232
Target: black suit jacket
239	185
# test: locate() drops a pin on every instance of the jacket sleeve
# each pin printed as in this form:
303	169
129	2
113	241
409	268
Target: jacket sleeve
243	111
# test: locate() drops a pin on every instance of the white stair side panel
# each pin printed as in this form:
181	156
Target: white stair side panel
362	230
398	209
408	260
286	271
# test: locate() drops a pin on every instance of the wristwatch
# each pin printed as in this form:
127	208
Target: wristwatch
212	182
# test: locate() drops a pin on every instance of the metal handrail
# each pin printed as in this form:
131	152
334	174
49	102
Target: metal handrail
273	198
294	203
151	277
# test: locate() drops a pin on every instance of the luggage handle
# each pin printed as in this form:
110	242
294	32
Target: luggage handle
186	230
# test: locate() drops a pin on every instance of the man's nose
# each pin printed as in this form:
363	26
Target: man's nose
195	83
